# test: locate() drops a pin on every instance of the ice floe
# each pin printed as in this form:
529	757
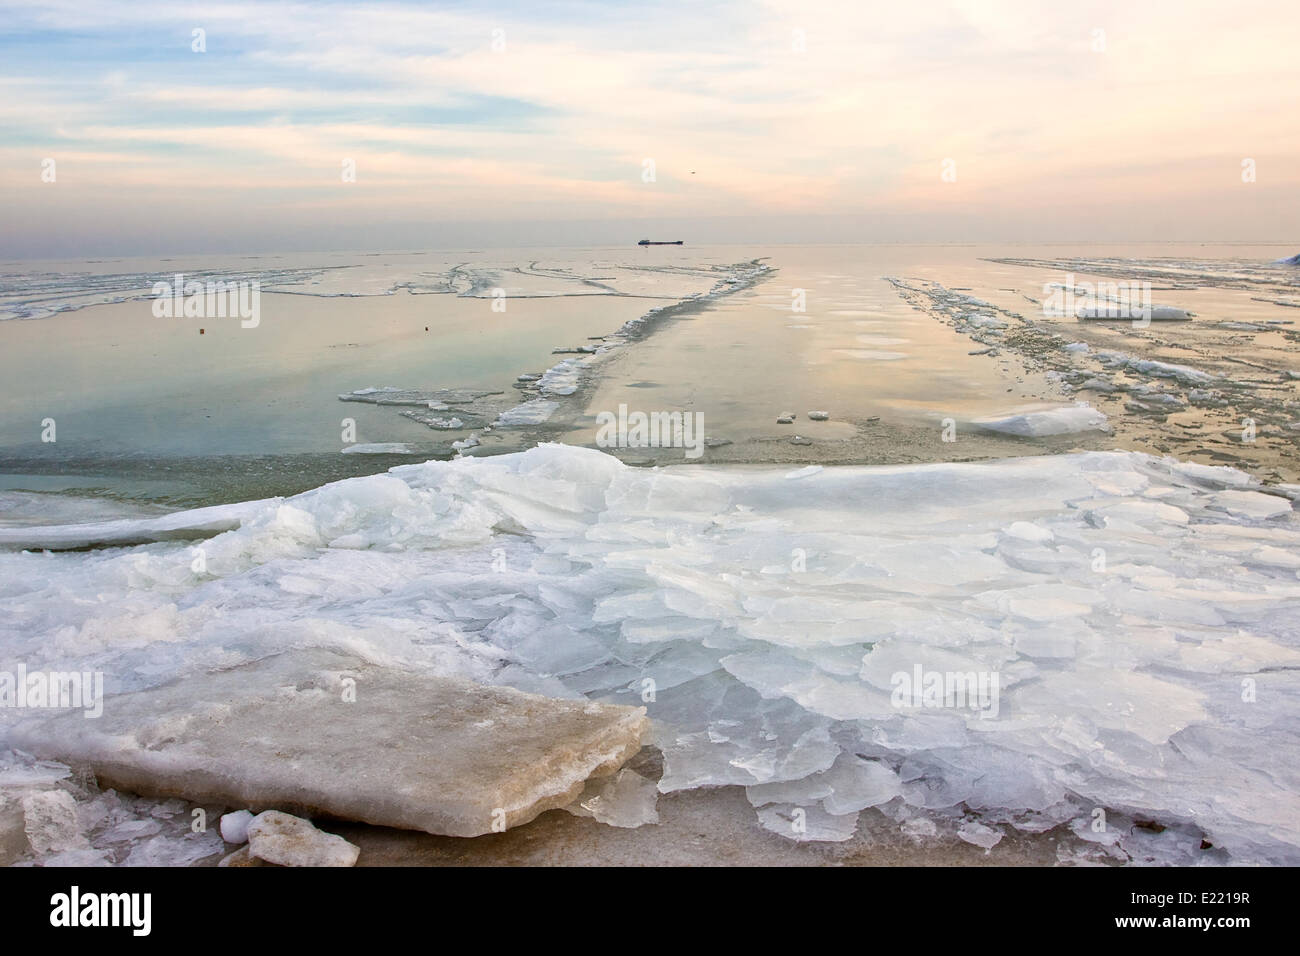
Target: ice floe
533	412
1038	423
465	760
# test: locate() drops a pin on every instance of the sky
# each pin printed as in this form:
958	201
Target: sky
142	128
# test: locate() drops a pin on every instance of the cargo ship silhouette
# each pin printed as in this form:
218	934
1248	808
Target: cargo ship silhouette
647	242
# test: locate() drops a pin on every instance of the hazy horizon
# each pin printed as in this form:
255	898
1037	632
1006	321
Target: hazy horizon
142	128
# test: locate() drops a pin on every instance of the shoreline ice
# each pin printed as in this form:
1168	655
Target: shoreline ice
1142	616
568	376
545	393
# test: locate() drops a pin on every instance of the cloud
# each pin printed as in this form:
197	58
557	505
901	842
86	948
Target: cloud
770	108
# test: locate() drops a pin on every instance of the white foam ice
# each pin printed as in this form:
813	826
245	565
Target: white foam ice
1040	422
1138	614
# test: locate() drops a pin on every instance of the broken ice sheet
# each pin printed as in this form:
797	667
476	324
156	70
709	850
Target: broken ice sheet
850	785
15	771
171	850
1120	687
986	837
808	824
626	799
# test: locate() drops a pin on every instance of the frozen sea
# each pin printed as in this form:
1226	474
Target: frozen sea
1121	584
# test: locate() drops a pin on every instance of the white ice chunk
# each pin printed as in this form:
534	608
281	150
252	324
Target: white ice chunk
234	826
808	824
533	412
51	822
1049	421
972	831
626	800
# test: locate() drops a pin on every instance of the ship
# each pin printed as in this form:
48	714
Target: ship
648	242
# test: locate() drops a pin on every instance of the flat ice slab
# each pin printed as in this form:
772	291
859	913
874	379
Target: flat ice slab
181	526
322	734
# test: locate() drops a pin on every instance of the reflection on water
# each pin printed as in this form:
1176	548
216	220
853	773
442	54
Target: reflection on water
153	409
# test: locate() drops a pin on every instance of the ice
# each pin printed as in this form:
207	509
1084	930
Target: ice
1097	383
502	757
626	800
1142	616
37	295
919	829
234	826
1157	313
51	823
382	448
183	525
1049	421
562	379
1027	531
807	472
36	508
1215	476
286	840
808	824
806	791
532	412
972	831
1150	367
19	774
128	831
165	850
1251	504
438	399
983	321
1276	557
856	784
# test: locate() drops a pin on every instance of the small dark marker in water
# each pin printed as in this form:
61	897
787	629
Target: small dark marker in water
200	331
